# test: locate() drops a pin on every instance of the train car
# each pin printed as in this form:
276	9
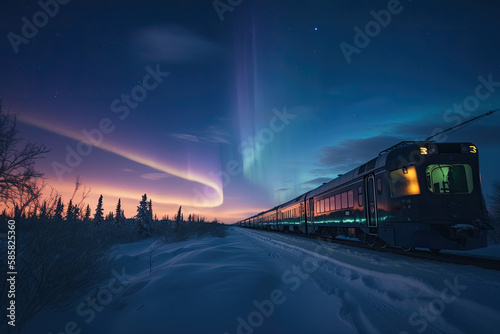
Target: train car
414	194
269	219
291	215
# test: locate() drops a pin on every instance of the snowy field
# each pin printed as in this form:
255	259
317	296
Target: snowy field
261	282
491	252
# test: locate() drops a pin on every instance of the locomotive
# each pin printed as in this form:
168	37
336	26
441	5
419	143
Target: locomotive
414	194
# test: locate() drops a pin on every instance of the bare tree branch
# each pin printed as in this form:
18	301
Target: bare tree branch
18	177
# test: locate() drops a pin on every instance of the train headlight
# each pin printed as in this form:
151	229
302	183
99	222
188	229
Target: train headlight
429	149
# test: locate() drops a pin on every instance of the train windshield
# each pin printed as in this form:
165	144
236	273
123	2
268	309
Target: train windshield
449	178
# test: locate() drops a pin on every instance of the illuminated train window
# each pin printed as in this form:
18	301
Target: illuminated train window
340	201
449	178
360	196
404	182
350	199
344	200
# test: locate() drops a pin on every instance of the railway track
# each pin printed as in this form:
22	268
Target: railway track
419	254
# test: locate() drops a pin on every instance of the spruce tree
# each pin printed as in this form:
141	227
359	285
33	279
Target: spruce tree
87	214
150	210
70	212
142	218
98	218
119	213
178	219
59	210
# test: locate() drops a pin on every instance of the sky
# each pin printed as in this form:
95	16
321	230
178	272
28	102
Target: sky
232	107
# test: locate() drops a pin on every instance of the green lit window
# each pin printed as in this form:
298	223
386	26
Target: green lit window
449	178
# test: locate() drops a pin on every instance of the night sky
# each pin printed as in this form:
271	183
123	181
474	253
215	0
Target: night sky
275	96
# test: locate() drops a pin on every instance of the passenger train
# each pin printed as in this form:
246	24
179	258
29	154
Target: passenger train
414	194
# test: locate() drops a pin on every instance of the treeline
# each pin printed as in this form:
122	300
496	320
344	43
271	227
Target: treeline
55	210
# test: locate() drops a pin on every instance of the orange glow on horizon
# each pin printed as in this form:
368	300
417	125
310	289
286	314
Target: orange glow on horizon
144	160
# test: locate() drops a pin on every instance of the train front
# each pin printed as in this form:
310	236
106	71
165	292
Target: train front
450	207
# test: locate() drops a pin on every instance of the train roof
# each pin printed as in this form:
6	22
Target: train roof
296	200
375	163
349	176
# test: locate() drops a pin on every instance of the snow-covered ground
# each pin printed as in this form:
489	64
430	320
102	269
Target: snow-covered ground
491	252
260	282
